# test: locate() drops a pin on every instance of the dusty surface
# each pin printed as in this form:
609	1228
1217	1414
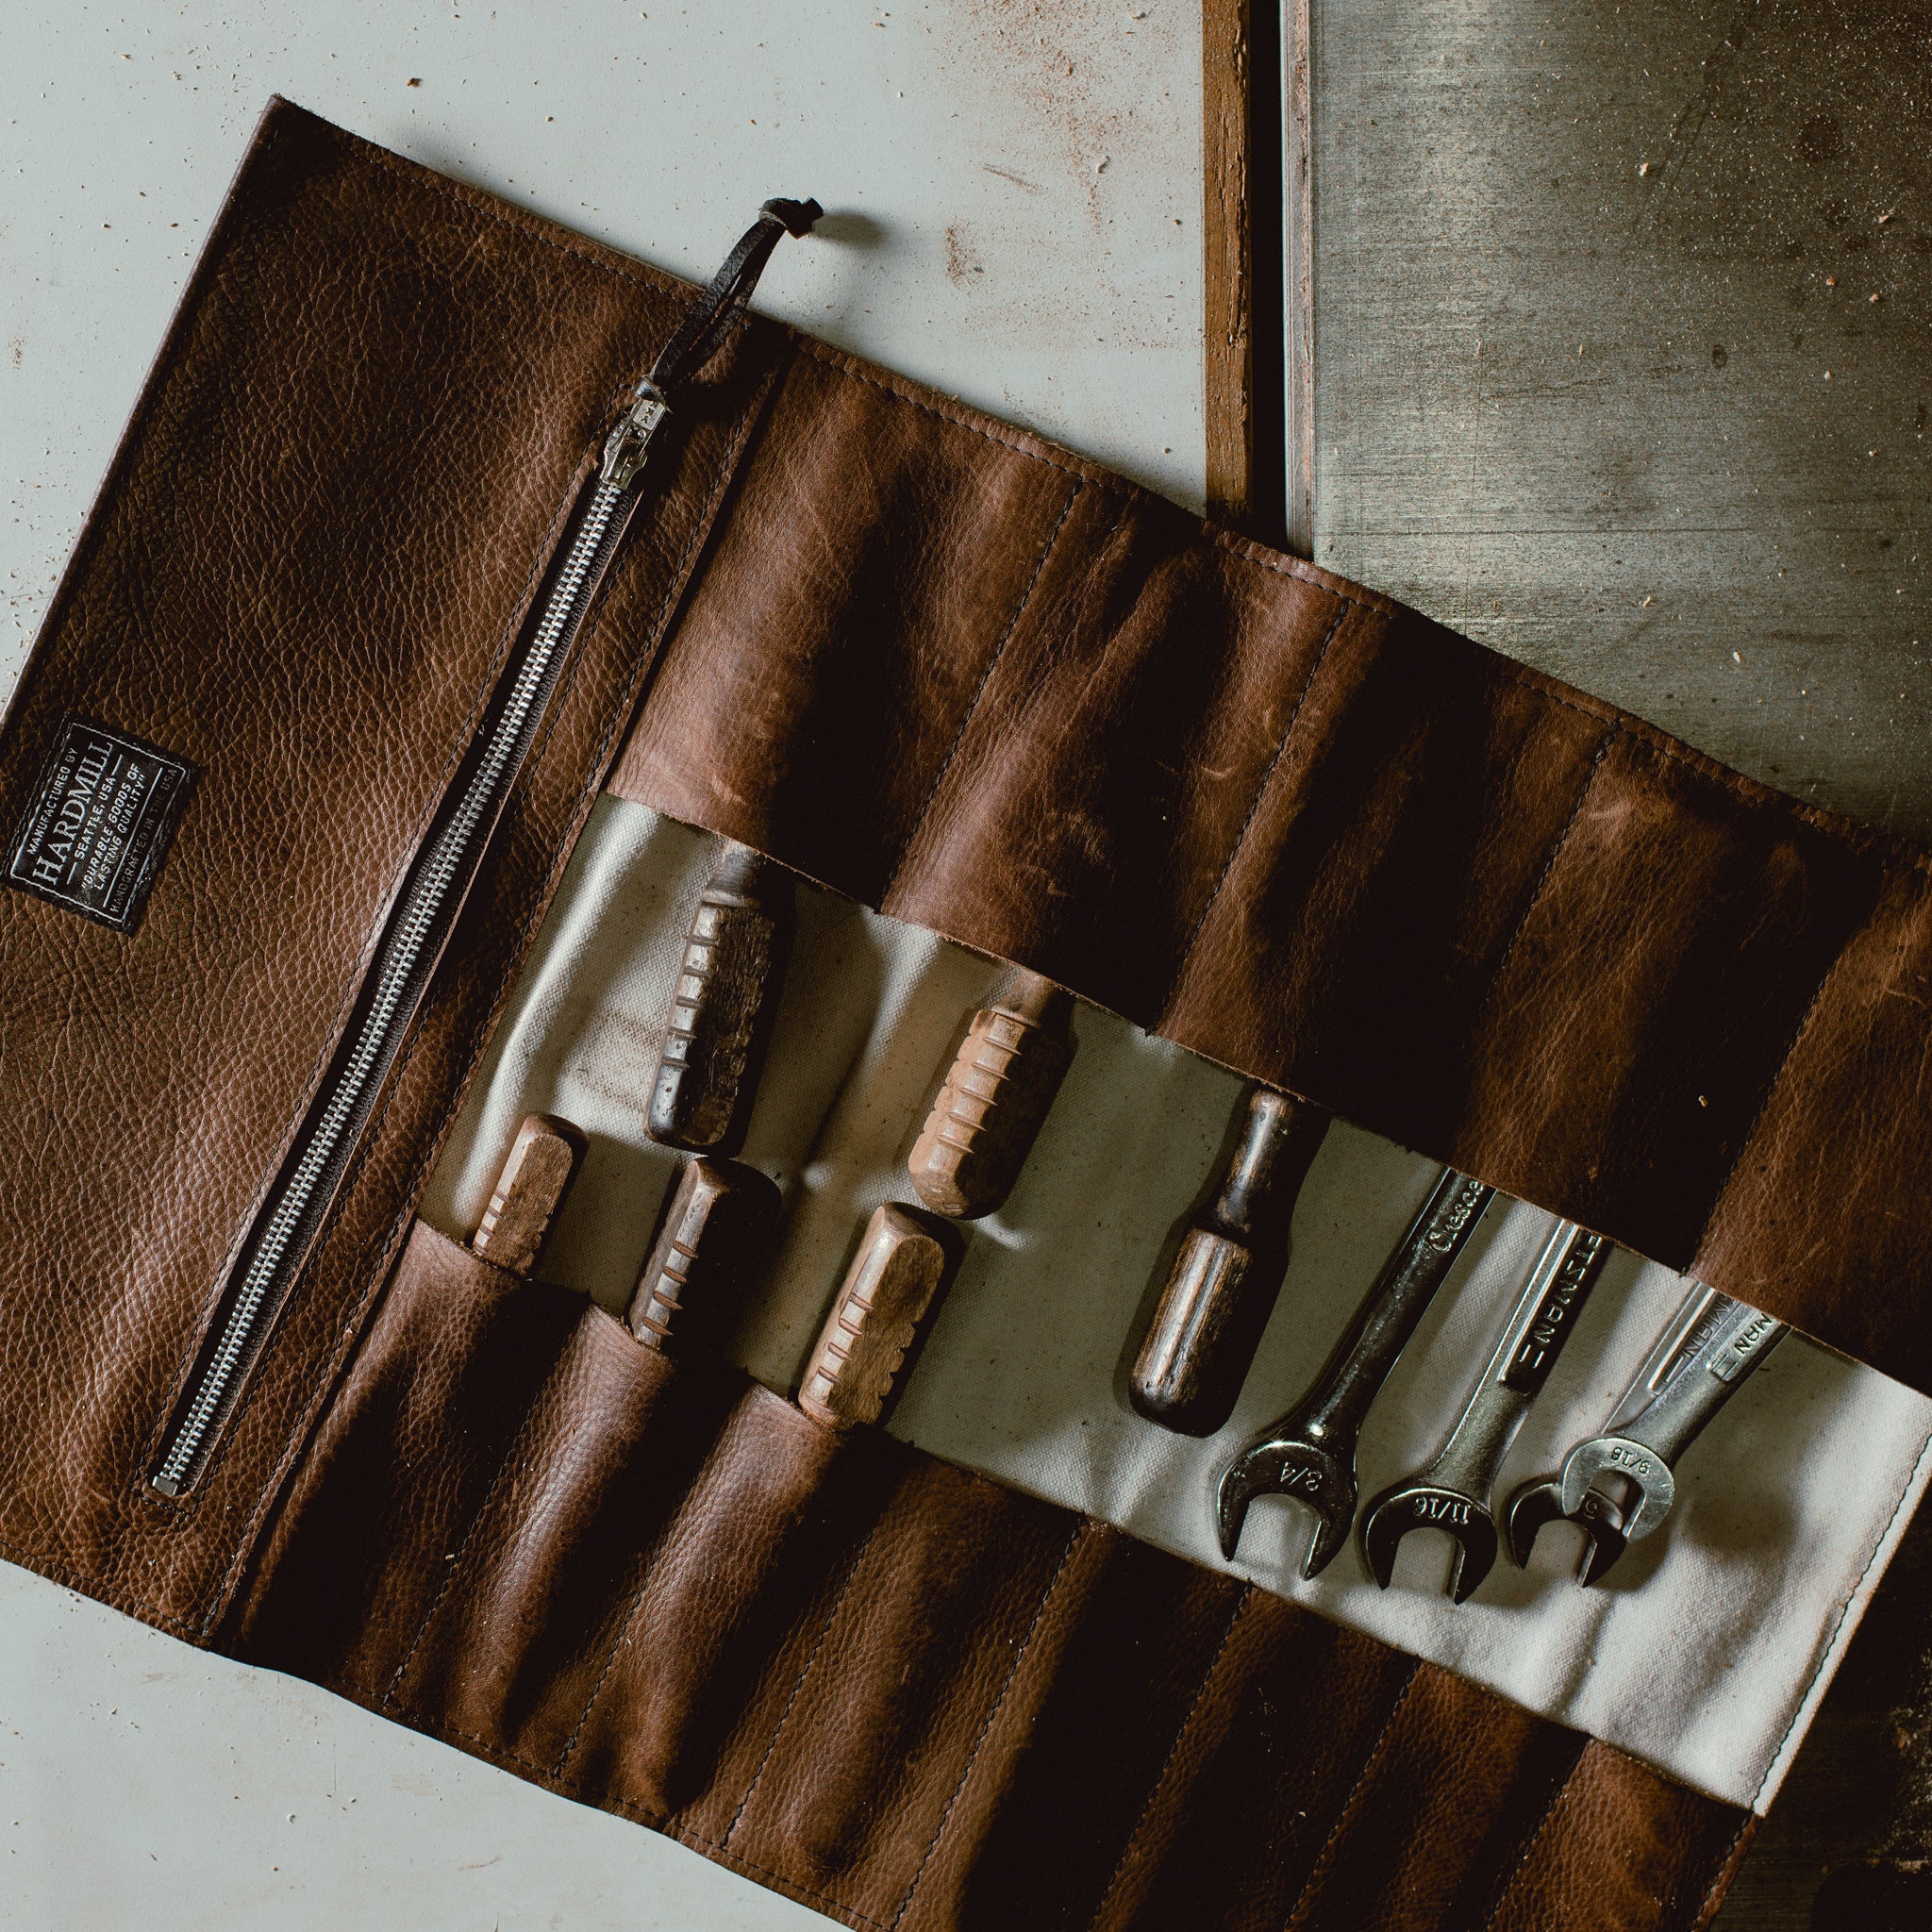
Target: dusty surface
1601	377
1013	190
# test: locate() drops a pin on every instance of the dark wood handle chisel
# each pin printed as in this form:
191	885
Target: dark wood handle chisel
1228	1270
716	1225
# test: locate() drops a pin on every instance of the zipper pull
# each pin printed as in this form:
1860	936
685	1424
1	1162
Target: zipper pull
699	336
629	443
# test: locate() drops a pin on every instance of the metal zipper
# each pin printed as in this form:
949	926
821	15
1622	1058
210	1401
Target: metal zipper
441	875
414	937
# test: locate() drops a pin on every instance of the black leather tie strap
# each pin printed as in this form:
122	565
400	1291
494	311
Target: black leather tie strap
711	316
698	336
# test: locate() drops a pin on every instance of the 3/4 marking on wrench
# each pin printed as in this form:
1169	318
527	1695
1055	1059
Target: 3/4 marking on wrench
1308	1454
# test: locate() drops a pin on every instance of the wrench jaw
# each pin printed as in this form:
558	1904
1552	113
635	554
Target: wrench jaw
1532	1510
1304	1473
1604	1536
1424	1506
1538	1503
1641	1467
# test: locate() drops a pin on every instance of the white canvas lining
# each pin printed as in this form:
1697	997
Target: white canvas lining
1707	1651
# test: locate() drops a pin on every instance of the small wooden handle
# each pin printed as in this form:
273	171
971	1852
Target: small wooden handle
1201	1343
721	1011
1016	1052
715	1226
536	1174
887	1290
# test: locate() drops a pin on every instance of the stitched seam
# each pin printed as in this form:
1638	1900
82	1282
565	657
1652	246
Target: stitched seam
1113	1883
851	1914
357	979
452	1570
1534	897
1345	1817
1695	763
1772	1085
480	202
1844	1610
353	1327
785	1715
352	988
1094	475
1721	1879
626	1623
1506	1871
1241	838
624	1628
62	1570
496	1752
992	663
1532	1839
218	249
999	1703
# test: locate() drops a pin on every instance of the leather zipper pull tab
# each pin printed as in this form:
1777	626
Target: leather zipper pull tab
700	336
629	443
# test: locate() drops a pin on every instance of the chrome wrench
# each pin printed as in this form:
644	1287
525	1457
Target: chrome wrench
1452	1492
1714	1345
1308	1454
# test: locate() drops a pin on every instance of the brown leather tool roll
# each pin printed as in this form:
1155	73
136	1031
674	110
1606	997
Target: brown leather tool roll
940	666
888	1687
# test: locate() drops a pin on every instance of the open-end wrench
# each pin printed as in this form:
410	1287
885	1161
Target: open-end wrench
1453	1493
1309	1454
1716	1344
1540	1502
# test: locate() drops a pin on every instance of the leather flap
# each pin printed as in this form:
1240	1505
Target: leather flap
890	1687
316	546
966	679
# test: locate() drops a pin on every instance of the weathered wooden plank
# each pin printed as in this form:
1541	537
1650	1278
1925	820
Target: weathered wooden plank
1241	262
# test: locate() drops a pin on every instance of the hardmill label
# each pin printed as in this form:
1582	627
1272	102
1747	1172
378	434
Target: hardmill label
98	823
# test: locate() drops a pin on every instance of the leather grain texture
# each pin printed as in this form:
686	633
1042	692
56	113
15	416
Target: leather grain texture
891	1688
317	545
956	673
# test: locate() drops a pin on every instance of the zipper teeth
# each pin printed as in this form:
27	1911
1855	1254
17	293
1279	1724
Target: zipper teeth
276	1251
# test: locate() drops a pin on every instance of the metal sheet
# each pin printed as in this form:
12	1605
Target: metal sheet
1621	316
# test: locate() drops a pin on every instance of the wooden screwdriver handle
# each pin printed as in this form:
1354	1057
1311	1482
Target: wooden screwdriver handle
536	1173
1016	1052
715	1226
889	1290
721	1012
1208	1324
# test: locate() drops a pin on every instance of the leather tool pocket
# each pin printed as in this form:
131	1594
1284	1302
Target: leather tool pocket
899	1691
